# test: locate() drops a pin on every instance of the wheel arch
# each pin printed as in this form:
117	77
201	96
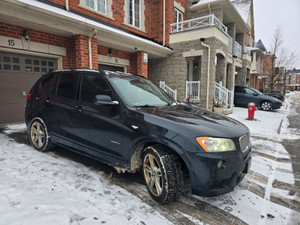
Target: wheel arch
136	156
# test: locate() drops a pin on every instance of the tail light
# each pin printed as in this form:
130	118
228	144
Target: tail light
28	97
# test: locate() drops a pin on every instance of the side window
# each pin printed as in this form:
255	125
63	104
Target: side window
66	85
93	85
48	81
248	91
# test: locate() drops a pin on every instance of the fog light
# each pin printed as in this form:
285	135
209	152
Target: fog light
221	164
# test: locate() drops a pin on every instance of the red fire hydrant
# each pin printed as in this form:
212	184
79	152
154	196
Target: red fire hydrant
251	110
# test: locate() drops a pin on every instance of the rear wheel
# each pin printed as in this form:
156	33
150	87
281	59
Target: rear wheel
266	106
39	136
163	174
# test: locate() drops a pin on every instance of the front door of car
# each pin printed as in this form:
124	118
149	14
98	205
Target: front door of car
99	124
250	96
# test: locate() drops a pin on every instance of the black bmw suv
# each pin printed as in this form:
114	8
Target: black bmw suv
129	123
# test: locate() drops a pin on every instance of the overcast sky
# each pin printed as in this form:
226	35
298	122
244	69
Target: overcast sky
286	13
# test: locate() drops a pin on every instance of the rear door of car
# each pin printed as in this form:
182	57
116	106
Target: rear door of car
59	108
238	96
99	127
250	96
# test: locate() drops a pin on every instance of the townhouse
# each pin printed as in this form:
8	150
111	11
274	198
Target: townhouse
193	49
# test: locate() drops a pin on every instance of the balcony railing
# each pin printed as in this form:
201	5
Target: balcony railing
246	50
168	90
223	95
230	41
192	89
198	23
238	50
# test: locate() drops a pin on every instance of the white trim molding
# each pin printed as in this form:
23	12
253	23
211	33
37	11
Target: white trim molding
108	8
142	16
179	6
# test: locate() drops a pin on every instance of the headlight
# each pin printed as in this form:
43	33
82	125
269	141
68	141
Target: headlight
216	144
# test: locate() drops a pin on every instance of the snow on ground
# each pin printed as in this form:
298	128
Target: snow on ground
37	188
13	128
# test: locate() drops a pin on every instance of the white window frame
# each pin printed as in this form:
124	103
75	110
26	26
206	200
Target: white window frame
177	12
96	5
133	13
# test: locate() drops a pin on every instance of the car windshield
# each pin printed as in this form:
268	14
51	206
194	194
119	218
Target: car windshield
138	91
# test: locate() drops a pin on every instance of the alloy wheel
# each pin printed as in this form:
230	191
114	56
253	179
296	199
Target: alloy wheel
37	135
267	106
153	175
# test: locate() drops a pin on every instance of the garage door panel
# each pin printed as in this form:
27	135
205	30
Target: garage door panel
18	73
8	95
10	80
12	113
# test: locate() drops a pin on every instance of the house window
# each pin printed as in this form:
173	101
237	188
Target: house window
98	5
178	18
134	12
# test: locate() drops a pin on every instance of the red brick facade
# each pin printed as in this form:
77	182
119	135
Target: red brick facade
77	46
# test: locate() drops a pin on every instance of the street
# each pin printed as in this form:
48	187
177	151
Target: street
269	194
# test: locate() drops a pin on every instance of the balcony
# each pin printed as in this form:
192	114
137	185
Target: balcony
198	23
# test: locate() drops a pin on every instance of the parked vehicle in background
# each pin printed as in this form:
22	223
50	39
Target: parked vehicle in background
245	95
276	94
128	122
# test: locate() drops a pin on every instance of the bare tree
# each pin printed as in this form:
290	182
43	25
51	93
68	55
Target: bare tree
281	60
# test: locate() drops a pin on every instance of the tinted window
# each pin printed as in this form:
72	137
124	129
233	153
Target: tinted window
237	89
93	85
66	85
47	82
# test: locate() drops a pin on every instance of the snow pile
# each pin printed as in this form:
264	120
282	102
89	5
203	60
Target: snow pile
37	188
13	128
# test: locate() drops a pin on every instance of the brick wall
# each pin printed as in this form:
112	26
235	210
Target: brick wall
132	57
153	16
76	47
13	31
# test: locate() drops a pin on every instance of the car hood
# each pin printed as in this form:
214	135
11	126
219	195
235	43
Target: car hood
181	119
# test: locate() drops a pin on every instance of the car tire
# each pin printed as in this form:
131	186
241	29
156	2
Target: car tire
266	106
162	173
39	136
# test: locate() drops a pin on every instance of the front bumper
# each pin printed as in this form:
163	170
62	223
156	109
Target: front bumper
277	105
209	179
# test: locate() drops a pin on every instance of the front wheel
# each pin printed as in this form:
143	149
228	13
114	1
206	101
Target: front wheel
162	173
266	106
38	135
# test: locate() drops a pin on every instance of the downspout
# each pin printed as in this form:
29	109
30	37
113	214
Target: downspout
208	68
164	23
67	5
209	9
90	49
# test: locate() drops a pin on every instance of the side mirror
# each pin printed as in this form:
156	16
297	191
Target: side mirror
255	94
105	100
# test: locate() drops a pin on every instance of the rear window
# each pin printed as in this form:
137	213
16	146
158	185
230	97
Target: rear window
48	81
66	85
